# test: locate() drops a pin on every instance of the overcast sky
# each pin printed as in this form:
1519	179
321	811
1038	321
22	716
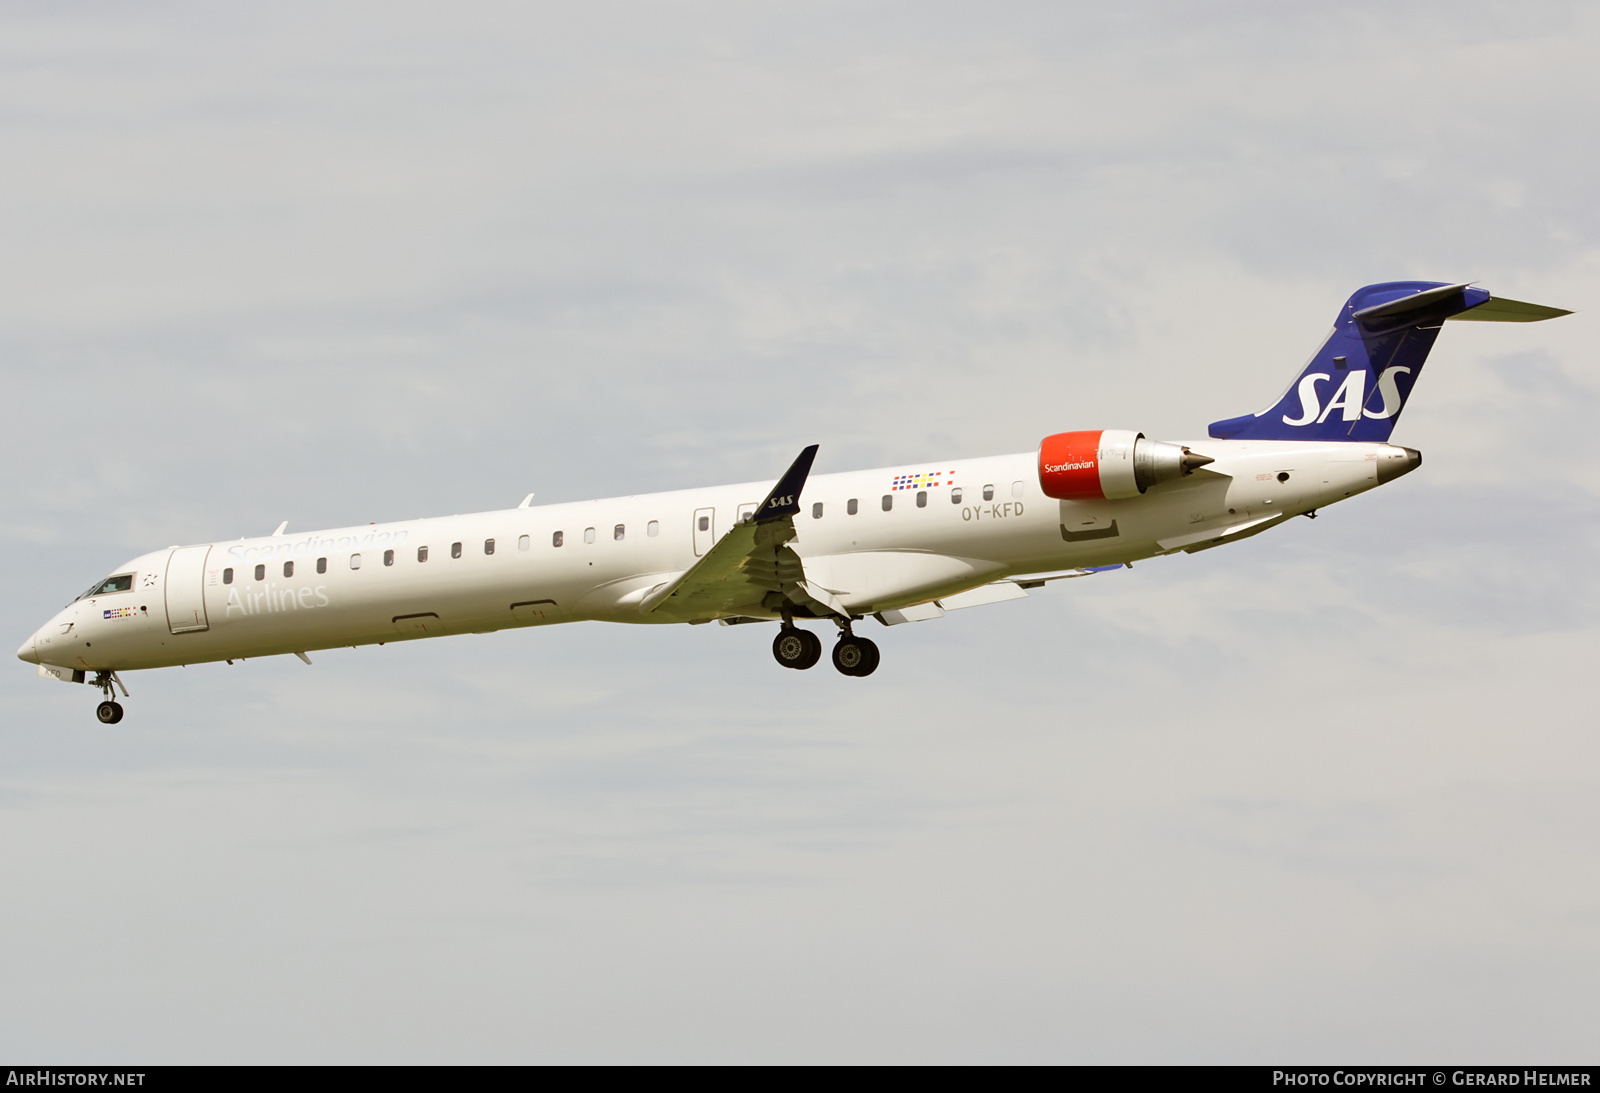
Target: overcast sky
1326	795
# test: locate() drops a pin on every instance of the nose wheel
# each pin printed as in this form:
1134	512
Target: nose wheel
109	712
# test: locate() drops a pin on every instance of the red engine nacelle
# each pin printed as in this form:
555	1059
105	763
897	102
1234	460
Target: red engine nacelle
1107	464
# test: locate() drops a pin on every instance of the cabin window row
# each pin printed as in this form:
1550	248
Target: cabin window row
619	532
288	569
524	542
853	506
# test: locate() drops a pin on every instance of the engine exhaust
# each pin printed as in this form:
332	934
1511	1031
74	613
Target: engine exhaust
1157	461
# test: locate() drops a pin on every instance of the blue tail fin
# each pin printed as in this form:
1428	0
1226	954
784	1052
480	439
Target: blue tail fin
1356	385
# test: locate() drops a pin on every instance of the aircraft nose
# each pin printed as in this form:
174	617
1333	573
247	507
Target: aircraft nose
29	652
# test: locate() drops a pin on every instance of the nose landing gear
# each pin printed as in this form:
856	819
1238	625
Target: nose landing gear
110	711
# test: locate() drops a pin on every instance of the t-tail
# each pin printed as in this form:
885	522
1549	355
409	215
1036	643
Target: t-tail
1356	385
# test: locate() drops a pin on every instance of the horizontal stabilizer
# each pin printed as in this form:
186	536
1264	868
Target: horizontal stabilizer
1501	310
1414	302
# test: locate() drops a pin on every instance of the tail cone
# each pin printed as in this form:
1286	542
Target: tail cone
1396	462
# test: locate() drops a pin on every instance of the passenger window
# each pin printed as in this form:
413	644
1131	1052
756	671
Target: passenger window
816	511
355	561
322	564
227	576
488	546
922	499
288	569
955	496
261	572
422	554
988	493
705	523
618	532
1016	488
850	506
653	528
388	557
524	542
455	550
888	502
557	539
588	535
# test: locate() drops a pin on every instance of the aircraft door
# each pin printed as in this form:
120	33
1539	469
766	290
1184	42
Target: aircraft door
705	530
185	590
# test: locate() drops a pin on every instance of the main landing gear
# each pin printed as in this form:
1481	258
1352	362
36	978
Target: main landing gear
801	649
109	712
796	648
855	656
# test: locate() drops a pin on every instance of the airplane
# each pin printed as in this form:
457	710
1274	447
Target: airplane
896	544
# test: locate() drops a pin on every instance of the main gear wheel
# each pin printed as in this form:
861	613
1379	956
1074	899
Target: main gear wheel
796	648
855	656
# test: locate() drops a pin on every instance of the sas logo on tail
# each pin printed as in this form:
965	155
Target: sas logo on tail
1350	397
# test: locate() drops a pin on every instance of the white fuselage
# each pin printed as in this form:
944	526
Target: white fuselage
292	593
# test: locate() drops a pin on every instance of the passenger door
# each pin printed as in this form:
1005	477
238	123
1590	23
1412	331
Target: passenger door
185	590
705	530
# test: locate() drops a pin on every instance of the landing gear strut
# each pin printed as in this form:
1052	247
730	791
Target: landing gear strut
109	712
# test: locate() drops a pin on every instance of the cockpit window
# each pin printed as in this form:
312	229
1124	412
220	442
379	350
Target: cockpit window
120	583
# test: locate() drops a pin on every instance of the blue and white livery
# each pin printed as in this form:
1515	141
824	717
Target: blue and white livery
894	544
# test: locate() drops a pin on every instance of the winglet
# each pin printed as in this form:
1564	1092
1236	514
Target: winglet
784	500
279	529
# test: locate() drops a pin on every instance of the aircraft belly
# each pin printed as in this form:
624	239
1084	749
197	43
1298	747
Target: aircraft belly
871	580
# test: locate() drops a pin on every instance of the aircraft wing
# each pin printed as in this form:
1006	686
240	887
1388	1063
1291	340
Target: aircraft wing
751	568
